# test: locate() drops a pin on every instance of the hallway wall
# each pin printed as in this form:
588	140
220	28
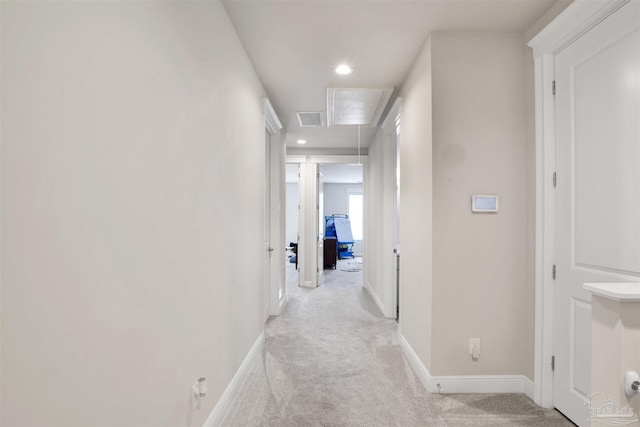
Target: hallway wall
467	130
480	146
416	207
132	198
374	278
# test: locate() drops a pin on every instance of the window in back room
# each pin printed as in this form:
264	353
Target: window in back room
356	214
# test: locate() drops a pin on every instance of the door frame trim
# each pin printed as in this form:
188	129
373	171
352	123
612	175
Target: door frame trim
568	26
390	125
318	159
273	127
272	123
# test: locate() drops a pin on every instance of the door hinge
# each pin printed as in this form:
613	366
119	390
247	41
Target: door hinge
555	180
553	87
553	272
553	363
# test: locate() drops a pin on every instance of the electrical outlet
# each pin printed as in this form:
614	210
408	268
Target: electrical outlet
474	348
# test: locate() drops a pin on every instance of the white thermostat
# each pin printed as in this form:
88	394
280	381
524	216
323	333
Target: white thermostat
484	203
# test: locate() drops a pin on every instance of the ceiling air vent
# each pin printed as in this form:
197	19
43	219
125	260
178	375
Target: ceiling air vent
356	106
310	119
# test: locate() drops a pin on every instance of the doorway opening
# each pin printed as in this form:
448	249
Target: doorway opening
343	217
337	198
292	212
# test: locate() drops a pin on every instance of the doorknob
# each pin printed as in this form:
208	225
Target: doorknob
271	250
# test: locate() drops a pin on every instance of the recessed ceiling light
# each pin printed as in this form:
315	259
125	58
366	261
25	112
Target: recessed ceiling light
301	141
344	69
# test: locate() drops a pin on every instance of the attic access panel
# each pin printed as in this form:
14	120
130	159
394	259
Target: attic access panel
356	106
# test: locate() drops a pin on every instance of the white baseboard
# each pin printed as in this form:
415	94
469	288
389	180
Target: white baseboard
281	305
528	387
415	362
307	284
478	384
368	287
221	408
465	383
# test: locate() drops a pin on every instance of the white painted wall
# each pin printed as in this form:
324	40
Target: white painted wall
416	193
465	275
336	199
132	210
374	246
481	285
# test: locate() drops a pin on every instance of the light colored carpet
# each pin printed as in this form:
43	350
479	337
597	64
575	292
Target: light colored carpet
332	359
349	265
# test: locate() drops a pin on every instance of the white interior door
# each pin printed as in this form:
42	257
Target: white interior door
391	217
396	218
267	226
308	256
321	225
598	189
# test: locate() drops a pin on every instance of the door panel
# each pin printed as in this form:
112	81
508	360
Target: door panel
308	256
302	239
321	225
266	287
396	220
606	158
580	345
598	189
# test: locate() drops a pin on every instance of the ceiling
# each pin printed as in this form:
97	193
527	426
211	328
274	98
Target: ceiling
295	46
